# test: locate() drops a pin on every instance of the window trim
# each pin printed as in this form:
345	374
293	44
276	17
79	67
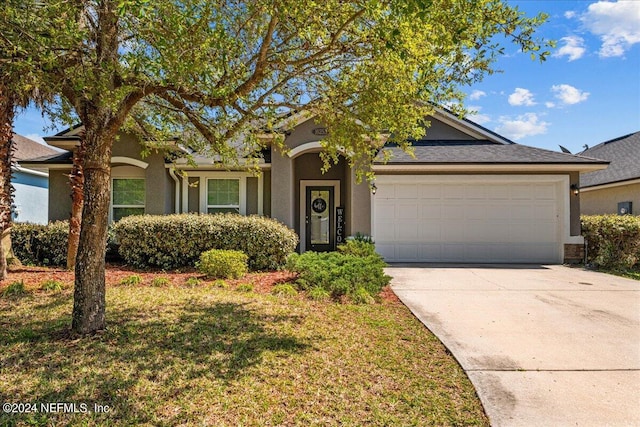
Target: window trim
203	183
208	206
111	204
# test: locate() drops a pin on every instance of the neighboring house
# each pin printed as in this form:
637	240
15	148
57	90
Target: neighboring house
468	195
615	189
30	200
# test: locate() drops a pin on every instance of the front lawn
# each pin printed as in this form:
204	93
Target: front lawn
179	354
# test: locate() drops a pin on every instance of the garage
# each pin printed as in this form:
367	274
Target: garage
469	218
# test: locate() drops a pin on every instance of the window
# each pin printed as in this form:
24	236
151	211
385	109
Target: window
128	197
223	195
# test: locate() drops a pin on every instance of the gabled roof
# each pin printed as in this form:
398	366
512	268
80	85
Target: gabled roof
482	151
623	153
28	149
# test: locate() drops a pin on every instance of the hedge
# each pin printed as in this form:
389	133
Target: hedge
38	244
173	241
613	241
355	271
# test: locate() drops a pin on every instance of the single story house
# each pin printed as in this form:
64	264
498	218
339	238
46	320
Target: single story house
468	195
615	189
31	185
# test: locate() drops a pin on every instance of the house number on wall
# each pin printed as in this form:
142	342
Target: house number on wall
320	131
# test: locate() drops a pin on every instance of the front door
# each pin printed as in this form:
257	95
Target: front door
319	219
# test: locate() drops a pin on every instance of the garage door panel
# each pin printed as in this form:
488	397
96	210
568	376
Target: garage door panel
407	210
468	221
454	192
406	191
430	211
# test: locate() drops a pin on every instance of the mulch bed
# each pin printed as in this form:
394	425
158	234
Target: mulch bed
262	282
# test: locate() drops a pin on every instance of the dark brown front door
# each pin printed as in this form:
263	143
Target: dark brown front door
319	218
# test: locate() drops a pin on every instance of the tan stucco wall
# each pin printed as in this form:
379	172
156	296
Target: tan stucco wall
606	201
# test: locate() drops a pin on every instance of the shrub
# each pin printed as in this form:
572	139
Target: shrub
52	285
160	281
221	263
245	287
613	241
339	273
38	244
284	290
172	241
134	279
15	289
193	281
359	248
319	294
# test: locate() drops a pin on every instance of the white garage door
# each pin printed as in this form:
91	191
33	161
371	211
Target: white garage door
475	218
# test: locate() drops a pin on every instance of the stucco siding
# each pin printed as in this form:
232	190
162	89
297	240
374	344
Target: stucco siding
159	186
605	201
252	195
59	195
266	198
194	195
442	131
303	134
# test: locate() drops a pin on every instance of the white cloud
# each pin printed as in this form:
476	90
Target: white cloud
528	124
616	23
35	137
521	97
477	94
549	104
477	117
573	48
568	94
569	14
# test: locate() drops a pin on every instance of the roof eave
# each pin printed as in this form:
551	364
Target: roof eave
488	167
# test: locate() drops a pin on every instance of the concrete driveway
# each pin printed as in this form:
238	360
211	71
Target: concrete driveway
543	345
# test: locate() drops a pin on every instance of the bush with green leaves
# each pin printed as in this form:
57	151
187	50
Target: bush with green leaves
223	264
39	244
340	273
613	241
173	241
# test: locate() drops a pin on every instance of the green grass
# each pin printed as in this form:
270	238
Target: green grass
207	356
631	274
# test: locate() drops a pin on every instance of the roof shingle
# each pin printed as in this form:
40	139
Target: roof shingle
624	155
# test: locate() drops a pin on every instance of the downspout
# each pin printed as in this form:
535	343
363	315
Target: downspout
176	195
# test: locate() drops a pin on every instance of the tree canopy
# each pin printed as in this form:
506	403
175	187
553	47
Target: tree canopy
211	72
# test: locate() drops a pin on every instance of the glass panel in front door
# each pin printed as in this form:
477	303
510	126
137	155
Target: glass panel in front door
320	225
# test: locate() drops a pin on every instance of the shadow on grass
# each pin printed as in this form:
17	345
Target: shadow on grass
219	342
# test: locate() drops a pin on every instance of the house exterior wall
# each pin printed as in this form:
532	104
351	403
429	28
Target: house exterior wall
266	197
282	188
30	198
59	194
605	201
441	131
252	196
358	206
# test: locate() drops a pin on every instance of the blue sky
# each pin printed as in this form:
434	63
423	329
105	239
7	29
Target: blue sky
587	92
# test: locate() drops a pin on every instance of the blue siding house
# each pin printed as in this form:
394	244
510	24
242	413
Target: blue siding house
31	197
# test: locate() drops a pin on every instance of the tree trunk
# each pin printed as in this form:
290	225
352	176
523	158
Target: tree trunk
89	292
76	179
7	110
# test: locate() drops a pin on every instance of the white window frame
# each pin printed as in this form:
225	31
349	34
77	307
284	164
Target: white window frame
112	206
204	184
208	206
